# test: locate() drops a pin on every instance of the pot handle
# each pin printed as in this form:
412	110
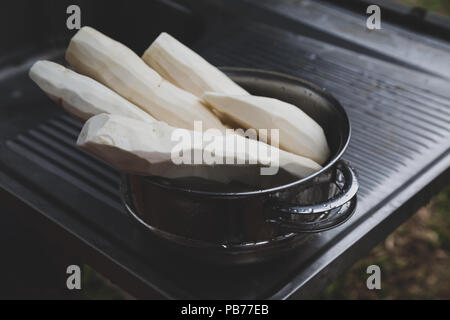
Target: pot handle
344	204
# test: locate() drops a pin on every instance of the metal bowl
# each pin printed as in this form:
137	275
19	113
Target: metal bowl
245	225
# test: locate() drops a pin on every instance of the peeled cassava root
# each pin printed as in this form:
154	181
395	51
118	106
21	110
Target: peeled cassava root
95	55
81	96
299	133
186	69
147	149
134	113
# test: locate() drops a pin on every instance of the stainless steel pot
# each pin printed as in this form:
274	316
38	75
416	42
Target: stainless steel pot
232	226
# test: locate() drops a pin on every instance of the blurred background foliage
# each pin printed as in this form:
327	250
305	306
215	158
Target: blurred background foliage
414	260
437	6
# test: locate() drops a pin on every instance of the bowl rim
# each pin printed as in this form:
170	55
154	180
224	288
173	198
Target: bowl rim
293	79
